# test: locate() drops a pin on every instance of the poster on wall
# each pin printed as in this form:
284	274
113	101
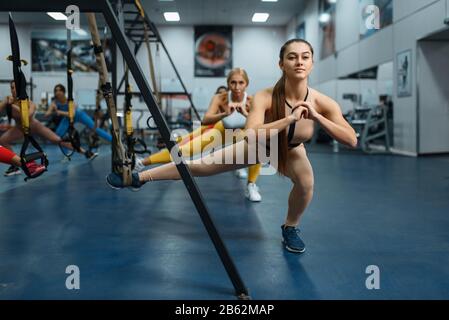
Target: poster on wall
404	73
383	12
213	51
327	27
49	54
301	31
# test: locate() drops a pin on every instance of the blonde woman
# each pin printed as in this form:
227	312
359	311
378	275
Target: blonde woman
227	110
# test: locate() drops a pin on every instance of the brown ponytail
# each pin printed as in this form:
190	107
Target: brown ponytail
278	109
278	112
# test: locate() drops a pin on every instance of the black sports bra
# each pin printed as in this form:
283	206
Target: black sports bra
292	127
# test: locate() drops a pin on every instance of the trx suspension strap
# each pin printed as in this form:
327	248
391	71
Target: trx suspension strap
22	96
129	130
99	117
72	134
134	145
147	44
121	164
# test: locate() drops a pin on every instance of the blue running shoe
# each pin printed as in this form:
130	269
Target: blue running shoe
291	240
115	181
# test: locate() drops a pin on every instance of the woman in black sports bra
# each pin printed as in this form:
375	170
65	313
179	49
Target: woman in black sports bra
289	111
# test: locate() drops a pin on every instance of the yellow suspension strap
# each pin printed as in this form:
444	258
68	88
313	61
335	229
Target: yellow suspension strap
121	163
72	136
134	145
24	103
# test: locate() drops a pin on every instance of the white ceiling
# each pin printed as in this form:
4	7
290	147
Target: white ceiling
195	12
231	12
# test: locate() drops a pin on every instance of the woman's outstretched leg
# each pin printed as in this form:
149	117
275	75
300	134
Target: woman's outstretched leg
198	142
10	136
227	159
84	118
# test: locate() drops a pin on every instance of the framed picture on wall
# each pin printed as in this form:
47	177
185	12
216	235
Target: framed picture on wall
404	73
213	51
49	49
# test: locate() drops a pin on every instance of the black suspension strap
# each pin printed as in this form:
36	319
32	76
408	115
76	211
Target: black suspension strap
9	112
22	96
72	136
129	130
121	163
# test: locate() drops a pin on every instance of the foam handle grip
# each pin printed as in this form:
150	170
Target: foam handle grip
33	156
71	111
25	115
129	123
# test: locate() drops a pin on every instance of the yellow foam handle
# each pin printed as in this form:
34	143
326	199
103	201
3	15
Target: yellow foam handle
25	115
71	111
129	123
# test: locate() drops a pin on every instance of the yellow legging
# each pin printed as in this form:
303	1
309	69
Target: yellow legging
198	141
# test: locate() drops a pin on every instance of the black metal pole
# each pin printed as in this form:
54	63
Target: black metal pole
184	171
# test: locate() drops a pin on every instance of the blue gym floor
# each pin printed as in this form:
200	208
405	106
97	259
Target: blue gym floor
388	211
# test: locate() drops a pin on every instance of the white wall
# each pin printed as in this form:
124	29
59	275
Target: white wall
254	49
433	107
23	33
261	65
404	8
346	34
406	33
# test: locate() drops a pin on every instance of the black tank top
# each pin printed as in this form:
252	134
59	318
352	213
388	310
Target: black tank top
292	127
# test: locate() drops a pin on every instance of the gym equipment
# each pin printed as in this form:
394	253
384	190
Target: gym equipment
99	118
72	136
121	163
21	93
139	30
105	7
134	145
372	124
